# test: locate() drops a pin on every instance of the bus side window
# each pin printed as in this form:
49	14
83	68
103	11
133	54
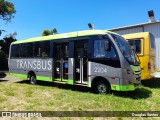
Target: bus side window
42	49
101	52
135	44
15	51
26	50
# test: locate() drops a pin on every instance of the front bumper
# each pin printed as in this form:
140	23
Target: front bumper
123	87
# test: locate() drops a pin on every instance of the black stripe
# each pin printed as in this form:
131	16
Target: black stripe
109	62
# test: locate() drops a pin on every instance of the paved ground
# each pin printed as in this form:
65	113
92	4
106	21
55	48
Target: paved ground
3	71
4	76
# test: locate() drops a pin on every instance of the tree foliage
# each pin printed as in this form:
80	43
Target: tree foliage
7	9
46	33
54	31
4	61
1	31
49	32
4	51
6	41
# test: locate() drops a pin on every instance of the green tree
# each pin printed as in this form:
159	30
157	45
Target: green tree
7	10
54	31
49	32
4	61
1	32
4	51
6	41
46	33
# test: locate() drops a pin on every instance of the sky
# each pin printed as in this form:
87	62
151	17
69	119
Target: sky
34	16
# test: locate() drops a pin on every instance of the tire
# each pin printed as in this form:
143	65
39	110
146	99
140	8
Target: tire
33	79
102	87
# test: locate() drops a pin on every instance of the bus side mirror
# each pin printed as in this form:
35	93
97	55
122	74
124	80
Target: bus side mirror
107	45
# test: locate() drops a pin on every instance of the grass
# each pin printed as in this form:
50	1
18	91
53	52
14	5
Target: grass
45	96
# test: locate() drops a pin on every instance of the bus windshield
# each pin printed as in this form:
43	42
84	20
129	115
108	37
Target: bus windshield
125	49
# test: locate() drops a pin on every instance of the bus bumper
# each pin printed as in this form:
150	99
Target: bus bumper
123	87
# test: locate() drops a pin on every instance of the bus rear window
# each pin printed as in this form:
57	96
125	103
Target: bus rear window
135	44
15	51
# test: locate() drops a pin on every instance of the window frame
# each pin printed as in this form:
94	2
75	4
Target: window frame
27	49
152	41
49	53
142	45
112	46
12	51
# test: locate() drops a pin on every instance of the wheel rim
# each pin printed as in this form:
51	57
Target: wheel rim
33	80
102	88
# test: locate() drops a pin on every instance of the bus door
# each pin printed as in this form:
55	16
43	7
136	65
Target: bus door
81	61
61	61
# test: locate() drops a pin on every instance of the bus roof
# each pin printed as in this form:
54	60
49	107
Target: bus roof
65	35
135	35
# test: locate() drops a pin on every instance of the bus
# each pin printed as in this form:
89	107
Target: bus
98	59
143	44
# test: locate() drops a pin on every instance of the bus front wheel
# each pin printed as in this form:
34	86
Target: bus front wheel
32	79
102	87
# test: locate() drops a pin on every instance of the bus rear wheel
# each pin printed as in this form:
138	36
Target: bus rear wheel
102	87
32	79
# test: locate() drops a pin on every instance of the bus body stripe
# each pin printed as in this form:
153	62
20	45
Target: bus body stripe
122	87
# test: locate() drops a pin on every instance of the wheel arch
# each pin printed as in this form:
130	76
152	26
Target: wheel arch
31	73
